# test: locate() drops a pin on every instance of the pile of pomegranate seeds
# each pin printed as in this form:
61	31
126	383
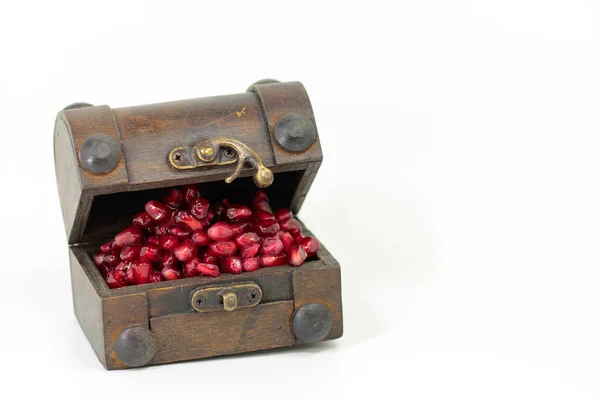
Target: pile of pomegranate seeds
185	236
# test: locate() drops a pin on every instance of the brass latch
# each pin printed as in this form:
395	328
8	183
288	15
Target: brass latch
228	298
219	152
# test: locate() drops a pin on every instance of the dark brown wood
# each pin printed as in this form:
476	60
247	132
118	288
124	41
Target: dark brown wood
97	206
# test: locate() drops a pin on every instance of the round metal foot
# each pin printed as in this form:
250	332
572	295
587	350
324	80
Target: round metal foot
294	132
135	346
312	322
99	154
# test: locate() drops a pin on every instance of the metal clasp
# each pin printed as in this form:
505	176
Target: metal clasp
219	152
228	298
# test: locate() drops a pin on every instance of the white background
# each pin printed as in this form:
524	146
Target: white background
459	189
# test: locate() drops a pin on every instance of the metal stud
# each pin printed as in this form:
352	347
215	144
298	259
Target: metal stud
77	105
294	132
135	346
99	154
312	322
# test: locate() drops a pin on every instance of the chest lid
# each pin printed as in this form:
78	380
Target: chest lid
109	162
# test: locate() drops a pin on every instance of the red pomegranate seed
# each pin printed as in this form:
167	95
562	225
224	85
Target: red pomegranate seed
186	250
179	231
283	214
271	246
240	227
261	195
208	269
261	215
167	259
200	238
246	239
173	198
210	258
199	208
250	250
266	228
169	242
292	226
130	253
190	192
123	266
310	245
98	258
155	240
231	265
155	276
111	260
273	261
298	238
171	273
131	235
262	205
162	229
219	209
189	268
150	252
185	219
106	247
296	256
225	248
158	211
116	279
139	272
287	240
142	220
237	212
220	231
250	264
104	270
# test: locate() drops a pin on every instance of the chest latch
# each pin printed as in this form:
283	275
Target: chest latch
226	297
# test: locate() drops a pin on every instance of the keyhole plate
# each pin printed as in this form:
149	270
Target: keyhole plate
205	299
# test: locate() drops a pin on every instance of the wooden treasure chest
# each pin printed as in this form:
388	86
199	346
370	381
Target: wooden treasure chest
180	219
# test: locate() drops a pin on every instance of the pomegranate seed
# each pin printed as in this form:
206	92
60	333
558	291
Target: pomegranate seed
111	260
106	247
271	246
173	198
131	235
240	227
210	258
283	214
155	240
231	265
273	261
262	205
292	226
162	229
189	268
250	250
219	209
200	238
179	231
130	253
199	208
168	260
266	228
250	264
123	266
220	231
237	212
142	220
169	242
186	250
298	238
155	276
287	240
150	252
116	279
104	270
98	258
261	195
139	272
158	211
208	269
225	248
310	245
186	219
296	256
246	238
170	273
190	192
261	215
